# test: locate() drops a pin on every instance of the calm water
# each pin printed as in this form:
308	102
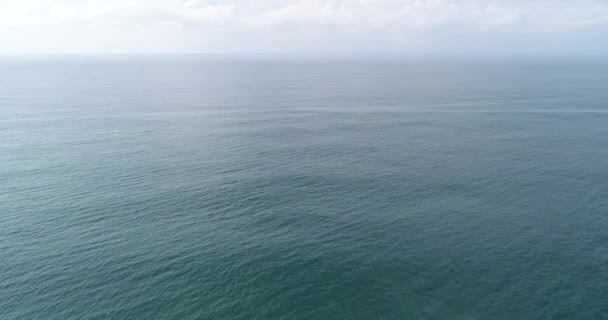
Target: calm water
200	188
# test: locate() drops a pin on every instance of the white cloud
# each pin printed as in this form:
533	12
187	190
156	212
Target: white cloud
28	12
277	25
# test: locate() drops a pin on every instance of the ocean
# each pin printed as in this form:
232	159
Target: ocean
206	187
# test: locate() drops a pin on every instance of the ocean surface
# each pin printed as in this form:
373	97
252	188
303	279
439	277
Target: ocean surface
196	187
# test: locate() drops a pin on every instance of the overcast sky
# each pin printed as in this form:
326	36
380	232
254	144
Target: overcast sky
304	26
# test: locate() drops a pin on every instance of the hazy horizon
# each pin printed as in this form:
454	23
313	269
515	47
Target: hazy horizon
298	27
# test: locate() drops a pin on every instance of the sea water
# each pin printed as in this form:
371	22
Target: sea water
195	187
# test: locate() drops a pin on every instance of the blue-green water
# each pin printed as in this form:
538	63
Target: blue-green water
205	188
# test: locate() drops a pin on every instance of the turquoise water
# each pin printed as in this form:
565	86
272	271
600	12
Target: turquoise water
206	188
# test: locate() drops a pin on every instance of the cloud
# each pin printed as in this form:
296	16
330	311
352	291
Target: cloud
282	25
38	12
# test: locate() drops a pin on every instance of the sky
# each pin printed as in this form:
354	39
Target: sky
304	26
